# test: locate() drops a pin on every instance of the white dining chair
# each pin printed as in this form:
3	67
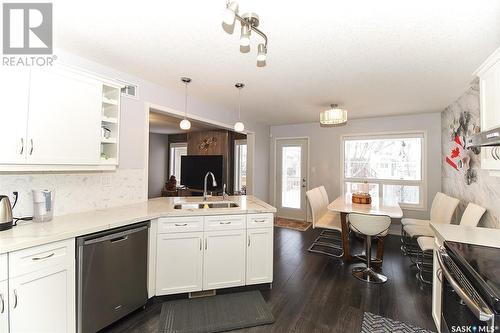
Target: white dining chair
330	238
369	226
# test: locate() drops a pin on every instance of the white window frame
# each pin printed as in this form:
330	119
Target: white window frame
171	160
388	135
237	185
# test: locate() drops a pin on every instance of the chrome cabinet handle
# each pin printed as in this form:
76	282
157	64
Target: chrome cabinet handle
206	243
259	221
22	146
3	304
200	243
31	149
248	240
481	311
229	222
41	258
181	224
15	298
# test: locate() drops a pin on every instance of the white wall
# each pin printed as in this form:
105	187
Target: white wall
325	144
133	151
158	168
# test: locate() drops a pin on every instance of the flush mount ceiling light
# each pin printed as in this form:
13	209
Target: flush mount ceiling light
185	124
239	126
249	22
333	116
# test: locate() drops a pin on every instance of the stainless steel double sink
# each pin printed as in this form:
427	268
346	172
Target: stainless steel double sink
205	205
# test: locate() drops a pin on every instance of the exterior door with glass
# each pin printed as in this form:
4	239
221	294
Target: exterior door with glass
291	178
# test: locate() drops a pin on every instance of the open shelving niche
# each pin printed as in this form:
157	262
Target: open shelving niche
110	119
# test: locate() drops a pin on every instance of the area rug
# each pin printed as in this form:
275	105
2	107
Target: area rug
215	314
291	224
373	323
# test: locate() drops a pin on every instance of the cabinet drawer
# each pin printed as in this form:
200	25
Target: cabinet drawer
168	225
260	220
225	222
3	267
40	257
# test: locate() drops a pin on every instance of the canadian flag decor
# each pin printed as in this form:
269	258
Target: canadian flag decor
458	158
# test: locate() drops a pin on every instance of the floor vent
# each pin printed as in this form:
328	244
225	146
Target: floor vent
204	293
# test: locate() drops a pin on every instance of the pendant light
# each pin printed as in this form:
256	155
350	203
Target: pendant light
333	116
185	124
239	126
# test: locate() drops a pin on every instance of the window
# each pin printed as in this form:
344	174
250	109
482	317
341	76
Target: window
176	151
391	164
240	166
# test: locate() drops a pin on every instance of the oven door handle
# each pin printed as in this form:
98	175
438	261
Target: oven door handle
480	311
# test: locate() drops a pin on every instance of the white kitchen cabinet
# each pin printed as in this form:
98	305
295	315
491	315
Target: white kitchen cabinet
179	265
64	123
14	85
489	91
43	301
224	259
4	307
259	256
42	288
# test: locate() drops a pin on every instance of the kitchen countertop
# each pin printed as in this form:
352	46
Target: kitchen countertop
28	234
469	235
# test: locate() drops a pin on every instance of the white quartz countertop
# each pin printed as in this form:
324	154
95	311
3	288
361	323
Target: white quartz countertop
28	234
469	235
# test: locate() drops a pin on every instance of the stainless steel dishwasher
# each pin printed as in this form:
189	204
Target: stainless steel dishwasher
111	275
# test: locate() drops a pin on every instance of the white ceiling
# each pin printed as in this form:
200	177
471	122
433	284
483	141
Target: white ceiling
373	57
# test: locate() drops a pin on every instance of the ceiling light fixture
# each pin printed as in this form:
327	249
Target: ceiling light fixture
333	116
249	22
185	124
239	126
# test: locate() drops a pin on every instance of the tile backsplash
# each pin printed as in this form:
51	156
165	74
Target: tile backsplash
76	192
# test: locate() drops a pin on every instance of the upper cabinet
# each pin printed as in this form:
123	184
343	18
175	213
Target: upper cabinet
14	85
58	118
489	90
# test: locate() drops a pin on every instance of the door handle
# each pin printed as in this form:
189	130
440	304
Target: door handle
22	146
15	298
206	243
200	243
229	222
248	240
2	302
119	239
32	146
181	224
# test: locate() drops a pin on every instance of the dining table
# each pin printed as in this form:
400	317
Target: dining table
378	206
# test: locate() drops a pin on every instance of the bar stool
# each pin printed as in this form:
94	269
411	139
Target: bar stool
370	226
471	217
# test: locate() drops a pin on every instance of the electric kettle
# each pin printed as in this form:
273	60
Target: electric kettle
5	213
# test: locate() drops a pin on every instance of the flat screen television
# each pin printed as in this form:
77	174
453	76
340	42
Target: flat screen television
195	167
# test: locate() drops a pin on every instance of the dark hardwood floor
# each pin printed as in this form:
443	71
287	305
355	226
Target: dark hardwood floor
315	293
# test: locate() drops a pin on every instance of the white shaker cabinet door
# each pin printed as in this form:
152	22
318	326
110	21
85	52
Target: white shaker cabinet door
224	259
490	113
4	307
259	256
179	263
14	92
64	124
43	301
